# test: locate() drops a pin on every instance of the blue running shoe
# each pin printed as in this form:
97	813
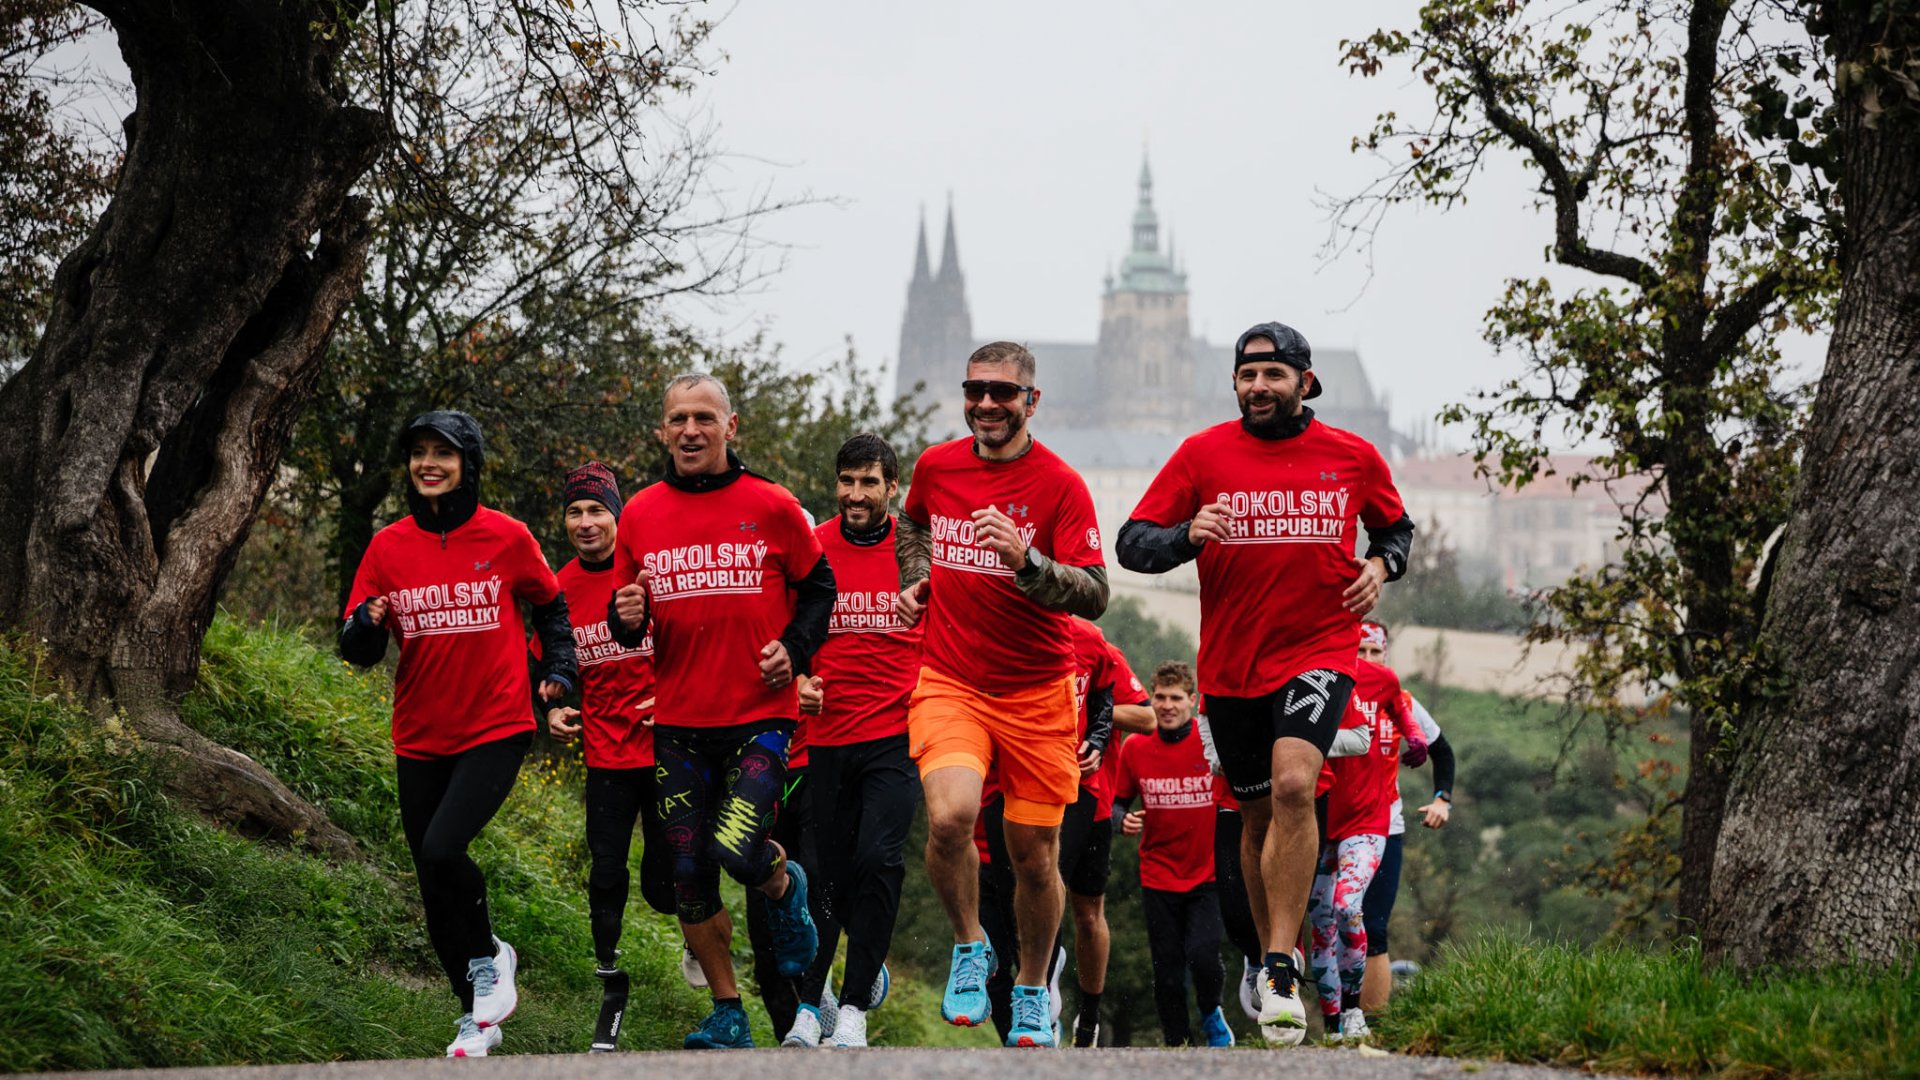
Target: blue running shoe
881	983
795	939
965	1004
1214	1025
725	1028
1033	1023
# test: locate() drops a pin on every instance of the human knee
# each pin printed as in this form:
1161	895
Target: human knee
950	830
696	901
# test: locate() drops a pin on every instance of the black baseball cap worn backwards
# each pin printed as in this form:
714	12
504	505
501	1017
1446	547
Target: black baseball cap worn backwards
1290	348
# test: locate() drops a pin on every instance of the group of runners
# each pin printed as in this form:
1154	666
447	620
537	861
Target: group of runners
772	698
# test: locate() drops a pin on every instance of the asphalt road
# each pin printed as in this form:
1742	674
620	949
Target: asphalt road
917	1064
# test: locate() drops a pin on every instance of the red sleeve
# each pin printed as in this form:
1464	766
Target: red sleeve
1124	785
1402	716
800	546
625	567
1127	687
366	581
1076	531
533	579
915	506
1103	675
1382	506
1171	498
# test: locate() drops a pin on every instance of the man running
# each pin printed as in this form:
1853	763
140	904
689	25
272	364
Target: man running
997	546
1267	506
723	567
1378	905
864	786
1169	772
616	719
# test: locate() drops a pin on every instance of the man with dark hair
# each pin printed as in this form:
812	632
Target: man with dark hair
998	546
723	567
1267	505
863	784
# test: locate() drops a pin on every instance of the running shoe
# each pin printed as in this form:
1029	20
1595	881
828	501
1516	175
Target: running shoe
829	1013
494	995
1214	1026
472	1040
1353	1026
1280	1006
1279	1036
806	1028
1086	1030
881	984
1249	989
850	1028
725	1028
795	939
690	968
1033	1023
965	1003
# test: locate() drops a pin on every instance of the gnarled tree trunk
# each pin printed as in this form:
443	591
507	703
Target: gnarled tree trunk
185	334
1819	857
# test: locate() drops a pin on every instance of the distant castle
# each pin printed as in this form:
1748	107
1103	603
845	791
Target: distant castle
1125	400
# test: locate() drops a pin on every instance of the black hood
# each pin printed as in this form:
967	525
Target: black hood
463	432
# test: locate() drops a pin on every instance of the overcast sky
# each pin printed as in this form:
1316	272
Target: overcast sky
1035	116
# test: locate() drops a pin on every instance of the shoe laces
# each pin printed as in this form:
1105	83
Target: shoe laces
468	1028
720	1021
484	975
1030	1011
970	971
1280	979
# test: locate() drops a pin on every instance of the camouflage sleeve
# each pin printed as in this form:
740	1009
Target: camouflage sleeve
913	550
1076	590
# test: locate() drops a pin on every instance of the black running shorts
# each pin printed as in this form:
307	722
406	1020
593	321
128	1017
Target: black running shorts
1308	707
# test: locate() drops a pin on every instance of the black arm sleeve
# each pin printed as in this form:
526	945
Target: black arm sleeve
1146	548
629	636
362	644
1392	544
556	642
1100	718
1440	752
813	600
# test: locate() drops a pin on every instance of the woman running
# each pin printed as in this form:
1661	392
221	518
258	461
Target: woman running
443	582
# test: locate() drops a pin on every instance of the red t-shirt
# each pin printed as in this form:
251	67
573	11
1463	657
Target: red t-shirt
1098	665
1176	788
981	629
1270	596
614	679
1223	794
1364	787
462	677
722	564
871	659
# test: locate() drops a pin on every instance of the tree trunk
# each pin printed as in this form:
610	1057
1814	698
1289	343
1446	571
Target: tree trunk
1819	860
185	334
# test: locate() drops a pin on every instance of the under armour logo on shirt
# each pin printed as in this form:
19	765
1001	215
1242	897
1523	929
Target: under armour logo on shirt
749	526
1314	702
483	564
1329	476
1018	509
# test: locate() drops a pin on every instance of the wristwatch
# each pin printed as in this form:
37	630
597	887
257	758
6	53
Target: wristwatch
1444	796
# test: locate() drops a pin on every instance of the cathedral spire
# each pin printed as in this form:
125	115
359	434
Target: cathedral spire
1146	223
922	267
950	248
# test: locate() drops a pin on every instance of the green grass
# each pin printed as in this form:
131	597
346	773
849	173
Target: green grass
137	935
1613	1008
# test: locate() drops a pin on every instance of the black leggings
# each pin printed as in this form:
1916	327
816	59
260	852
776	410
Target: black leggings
1183	934
719	793
444	803
794	831
1236	912
862	797
616	798
1377	906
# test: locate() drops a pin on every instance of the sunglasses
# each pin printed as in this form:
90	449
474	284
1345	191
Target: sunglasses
1000	392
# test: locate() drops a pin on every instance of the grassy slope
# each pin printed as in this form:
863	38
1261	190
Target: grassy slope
138	936
1623	1009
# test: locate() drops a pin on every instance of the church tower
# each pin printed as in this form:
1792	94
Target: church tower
1146	345
937	335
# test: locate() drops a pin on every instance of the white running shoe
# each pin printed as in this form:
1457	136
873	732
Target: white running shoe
472	1040
494	994
850	1027
829	1013
806	1028
1249	989
1280	1005
1353	1026
690	968
1279	1036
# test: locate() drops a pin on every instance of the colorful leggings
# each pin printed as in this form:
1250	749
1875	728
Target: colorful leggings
1335	911
719	792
